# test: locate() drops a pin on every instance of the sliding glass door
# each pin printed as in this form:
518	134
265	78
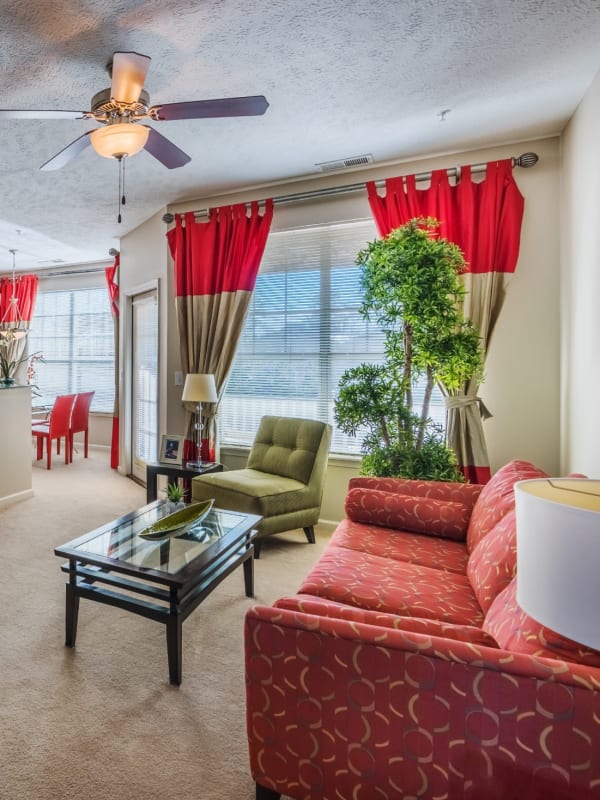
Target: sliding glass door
144	388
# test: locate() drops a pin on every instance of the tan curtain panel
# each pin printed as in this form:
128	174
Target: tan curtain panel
216	264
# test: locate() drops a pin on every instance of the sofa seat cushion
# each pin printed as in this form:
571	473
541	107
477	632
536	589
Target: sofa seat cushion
516	631
397	587
493	562
308	604
428	551
428	515
251	491
497	498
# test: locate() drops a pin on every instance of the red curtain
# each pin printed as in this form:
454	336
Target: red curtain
112	284
216	264
24	289
484	220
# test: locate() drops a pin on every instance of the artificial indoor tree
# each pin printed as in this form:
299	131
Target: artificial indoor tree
412	289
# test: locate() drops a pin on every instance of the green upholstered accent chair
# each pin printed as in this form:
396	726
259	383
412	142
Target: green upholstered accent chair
282	481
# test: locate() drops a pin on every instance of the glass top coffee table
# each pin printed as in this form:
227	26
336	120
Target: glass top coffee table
163	579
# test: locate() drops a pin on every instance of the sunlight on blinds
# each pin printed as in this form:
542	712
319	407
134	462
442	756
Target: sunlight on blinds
73	329
303	330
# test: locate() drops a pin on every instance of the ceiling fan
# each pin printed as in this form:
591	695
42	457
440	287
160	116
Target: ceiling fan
121	108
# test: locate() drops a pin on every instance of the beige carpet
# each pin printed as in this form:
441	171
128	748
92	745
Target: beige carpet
101	721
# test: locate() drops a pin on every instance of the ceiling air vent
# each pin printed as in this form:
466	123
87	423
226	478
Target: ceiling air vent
344	163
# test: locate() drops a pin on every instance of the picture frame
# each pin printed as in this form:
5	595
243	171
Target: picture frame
171	450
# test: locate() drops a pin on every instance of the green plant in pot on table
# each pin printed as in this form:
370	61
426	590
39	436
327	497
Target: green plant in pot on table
175	496
412	290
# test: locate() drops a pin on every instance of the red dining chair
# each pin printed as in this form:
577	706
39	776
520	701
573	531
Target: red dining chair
80	420
56	426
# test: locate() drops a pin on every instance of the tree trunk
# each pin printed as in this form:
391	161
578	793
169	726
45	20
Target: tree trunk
425	408
407	373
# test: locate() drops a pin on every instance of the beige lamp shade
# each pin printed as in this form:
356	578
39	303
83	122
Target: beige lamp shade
558	555
120	139
199	388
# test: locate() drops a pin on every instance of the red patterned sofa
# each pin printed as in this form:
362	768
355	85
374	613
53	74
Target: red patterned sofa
404	667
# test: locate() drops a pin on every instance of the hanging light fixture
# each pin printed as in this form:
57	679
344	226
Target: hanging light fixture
119	139
12	325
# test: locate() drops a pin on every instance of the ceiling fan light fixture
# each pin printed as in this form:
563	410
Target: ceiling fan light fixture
120	139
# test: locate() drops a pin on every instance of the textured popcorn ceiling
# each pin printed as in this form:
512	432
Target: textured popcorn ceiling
343	77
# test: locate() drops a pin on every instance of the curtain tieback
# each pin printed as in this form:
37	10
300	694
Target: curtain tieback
463	401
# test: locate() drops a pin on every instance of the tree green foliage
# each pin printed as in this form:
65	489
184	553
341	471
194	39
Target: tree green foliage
412	290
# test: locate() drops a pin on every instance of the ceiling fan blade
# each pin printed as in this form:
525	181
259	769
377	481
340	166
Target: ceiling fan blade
68	153
165	151
203	109
128	75
26	113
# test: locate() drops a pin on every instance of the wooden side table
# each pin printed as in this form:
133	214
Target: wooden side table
174	474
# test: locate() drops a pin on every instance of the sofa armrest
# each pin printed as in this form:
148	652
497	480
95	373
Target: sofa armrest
339	708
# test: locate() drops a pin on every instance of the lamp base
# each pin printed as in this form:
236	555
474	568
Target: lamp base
194	464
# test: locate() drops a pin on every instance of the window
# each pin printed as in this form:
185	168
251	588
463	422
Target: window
73	330
303	330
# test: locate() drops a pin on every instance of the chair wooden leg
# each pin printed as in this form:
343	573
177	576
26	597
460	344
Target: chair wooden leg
310	534
85	444
48	453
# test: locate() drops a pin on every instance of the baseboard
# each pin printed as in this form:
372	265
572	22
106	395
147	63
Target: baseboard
16	497
329	523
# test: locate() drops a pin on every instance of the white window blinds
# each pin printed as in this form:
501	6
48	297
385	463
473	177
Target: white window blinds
303	330
73	330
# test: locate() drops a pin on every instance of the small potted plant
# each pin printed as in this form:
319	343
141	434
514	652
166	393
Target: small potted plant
175	496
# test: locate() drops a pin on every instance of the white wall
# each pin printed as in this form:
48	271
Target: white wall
522	371
144	263
580	287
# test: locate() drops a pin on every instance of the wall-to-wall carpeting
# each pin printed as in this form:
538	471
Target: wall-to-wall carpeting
101	721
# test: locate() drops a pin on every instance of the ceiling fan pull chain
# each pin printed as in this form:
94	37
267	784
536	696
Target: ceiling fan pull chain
123	201
120	161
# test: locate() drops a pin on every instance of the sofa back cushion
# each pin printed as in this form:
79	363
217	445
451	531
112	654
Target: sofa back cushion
497	499
406	512
493	562
516	631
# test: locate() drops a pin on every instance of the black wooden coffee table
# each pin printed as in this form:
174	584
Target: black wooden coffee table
175	573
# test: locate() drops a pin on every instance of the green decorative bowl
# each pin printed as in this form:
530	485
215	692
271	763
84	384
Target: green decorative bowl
175	522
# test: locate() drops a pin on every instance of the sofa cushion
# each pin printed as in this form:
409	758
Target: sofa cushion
516	631
308	604
427	515
497	499
466	493
428	551
493	562
382	584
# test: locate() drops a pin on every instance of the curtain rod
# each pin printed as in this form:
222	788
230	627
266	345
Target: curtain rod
525	160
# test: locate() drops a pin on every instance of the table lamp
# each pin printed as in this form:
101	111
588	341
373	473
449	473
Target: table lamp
558	555
199	388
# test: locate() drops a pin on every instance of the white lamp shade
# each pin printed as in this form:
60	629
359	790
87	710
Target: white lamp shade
199	388
558	555
120	139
